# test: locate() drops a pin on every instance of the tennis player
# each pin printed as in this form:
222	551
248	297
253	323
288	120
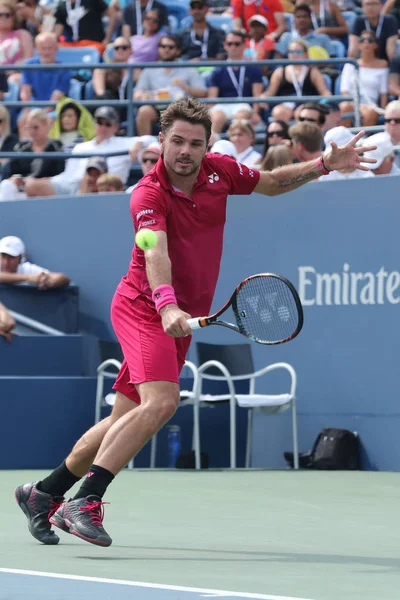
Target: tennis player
183	199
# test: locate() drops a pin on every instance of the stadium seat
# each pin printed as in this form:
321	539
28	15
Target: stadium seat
398	46
328	81
75	89
83	55
179	10
337	85
339	50
288	21
174	24
350	17
224	22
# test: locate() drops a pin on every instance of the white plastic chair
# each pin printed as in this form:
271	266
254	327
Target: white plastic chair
267	403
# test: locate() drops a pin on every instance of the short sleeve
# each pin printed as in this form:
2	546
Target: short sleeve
61	14
99	6
358	26
148	208
237	6
283	44
144	82
27	268
256	75
276	6
215	77
26	78
194	79
243	180
391	26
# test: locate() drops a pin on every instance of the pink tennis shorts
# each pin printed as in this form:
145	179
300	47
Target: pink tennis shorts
149	353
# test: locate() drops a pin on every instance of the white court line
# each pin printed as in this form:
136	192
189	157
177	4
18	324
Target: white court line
155	586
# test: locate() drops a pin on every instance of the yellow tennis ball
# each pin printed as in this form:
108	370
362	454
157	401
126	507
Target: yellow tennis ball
146	239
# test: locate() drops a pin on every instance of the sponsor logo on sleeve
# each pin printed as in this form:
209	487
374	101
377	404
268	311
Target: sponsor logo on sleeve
147	211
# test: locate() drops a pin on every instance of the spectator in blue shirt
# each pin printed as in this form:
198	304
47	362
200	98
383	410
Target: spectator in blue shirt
303	29
235	82
43	84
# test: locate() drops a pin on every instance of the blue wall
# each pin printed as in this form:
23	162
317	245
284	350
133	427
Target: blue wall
347	355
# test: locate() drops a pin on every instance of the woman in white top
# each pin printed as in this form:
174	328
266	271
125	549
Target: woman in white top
374	86
242	136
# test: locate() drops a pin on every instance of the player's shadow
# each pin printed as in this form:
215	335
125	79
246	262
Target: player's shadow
203	555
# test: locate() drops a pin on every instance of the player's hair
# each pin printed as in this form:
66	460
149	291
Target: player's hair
276	156
189	110
308	134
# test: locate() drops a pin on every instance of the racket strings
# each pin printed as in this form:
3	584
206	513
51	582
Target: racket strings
266	310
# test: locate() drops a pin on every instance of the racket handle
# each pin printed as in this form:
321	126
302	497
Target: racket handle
194	323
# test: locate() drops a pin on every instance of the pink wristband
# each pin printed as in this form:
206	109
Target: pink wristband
163	295
321	166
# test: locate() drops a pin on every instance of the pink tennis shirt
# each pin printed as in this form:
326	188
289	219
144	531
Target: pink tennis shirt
194	227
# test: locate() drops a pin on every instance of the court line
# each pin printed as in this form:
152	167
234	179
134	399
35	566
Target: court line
155	586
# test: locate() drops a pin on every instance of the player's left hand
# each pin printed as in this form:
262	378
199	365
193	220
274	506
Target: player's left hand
348	156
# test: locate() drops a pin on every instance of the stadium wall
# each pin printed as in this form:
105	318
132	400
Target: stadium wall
339	245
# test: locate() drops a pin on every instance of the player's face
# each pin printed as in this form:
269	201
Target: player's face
183	147
8	263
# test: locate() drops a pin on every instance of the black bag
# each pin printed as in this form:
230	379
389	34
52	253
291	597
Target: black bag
334	449
186	460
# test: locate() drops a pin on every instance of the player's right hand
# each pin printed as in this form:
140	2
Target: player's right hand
174	321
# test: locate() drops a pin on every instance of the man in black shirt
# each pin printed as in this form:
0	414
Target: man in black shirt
384	27
201	41
132	17
81	22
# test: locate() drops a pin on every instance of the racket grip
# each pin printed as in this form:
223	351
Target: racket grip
194	323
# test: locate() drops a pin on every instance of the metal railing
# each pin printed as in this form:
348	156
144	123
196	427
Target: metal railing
131	104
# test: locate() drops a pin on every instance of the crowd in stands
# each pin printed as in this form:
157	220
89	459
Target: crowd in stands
134	32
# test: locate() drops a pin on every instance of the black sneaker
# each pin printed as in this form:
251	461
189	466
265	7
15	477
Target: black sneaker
38	507
83	517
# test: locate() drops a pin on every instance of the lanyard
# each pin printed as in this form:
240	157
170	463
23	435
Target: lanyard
321	15
298	83
248	153
379	27
203	43
122	87
73	17
237	83
139	22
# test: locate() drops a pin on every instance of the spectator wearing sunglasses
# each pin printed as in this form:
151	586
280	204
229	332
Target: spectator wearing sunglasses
148	158
383	26
277	134
105	140
201	41
111	84
373	73
311	112
383	154
145	45
295	80
235	82
392	124
165	84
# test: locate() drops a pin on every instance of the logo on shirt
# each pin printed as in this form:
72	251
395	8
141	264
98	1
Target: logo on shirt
251	173
148	211
240	167
213	177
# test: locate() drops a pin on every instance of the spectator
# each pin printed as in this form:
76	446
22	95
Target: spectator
311	112
3	84
392	124
133	16
276	156
34	17
242	136
272	10
383	26
15	269
392	7
45	84
7	322
148	158
327	18
112	84
165	84
384	155
277	133
341	135
224	147
295	80
144	45
74	124
374	86
105	140
23	171
109	183
306	141
394	77
7	139
258	45
95	167
303	29
16	45
201	41
332	113
81	22
235	82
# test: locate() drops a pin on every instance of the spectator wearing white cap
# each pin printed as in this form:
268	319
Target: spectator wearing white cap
224	147
384	155
272	10
95	167
148	158
67	183
392	124
15	269
258	46
341	135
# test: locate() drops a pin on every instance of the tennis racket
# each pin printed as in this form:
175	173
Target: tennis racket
266	308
